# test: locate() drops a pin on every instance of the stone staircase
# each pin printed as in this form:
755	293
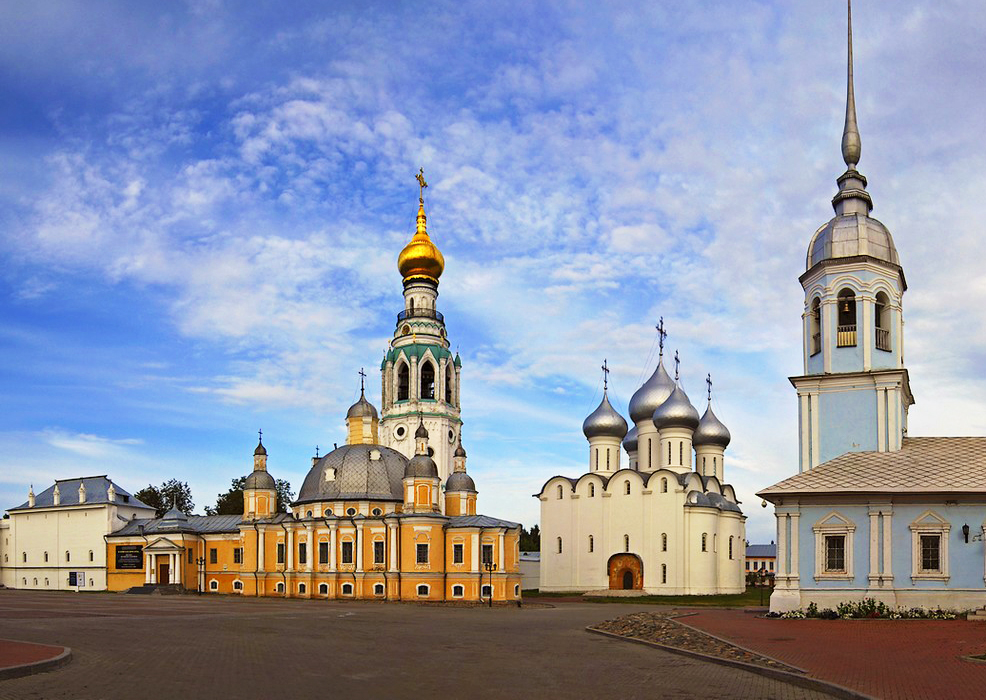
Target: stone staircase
157	589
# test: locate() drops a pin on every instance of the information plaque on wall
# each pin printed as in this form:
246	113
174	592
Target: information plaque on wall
129	556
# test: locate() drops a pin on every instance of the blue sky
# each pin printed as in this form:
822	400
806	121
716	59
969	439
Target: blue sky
202	205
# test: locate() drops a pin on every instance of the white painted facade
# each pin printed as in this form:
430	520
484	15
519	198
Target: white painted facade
49	538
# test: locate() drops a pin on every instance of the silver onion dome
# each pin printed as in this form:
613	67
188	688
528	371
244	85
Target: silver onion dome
676	412
259	479
850	235
711	431
261	450
604	421
630	441
459	481
651	394
361	408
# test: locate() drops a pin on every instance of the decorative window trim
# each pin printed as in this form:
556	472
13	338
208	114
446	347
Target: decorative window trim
418	590
213	584
486	591
237	586
279	587
833	524
323	589
458	591
347	589
929	523
302	589
378	589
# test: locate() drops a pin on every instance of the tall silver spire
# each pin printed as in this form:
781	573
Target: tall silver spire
851	144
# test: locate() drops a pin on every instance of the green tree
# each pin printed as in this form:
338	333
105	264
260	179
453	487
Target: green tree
171	493
231	502
530	540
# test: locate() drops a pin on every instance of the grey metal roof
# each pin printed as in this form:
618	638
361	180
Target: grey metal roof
196	524
851	235
651	394
361	408
630	441
479	521
676	412
259	479
761	550
357	475
459	481
711	431
423	466
922	465
97	491
605	421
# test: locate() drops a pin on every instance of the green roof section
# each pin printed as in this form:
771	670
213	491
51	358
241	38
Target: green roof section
417	350
458	361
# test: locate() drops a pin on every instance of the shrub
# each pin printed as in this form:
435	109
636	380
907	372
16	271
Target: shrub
866	608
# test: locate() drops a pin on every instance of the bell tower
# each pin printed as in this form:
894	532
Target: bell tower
419	374
854	393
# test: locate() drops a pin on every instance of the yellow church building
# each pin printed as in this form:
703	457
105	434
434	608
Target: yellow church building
385	516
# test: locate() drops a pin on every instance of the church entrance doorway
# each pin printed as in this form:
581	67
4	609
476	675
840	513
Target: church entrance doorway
162	571
626	572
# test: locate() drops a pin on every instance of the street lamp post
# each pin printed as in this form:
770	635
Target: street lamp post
491	567
200	561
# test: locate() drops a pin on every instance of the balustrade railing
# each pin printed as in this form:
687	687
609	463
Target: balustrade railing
420	313
846	337
816	343
883	339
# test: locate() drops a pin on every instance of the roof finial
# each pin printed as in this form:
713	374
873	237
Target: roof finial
661	334
708	383
420	177
362	377
605	376
851	144
676	363
260	433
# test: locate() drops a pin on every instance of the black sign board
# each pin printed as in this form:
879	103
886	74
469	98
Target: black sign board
73	578
129	556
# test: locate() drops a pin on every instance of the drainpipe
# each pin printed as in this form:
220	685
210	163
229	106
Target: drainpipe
256	569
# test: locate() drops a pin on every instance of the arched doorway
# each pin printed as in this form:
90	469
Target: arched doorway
626	572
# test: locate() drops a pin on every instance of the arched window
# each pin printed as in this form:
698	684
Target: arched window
347	589
487	592
681	452
90	555
626	487
592	490
427	380
664	541
213	585
607	459
378	589
458	591
238	586
730	547
422	590
703	466
46	556
669	452
302	588
410	306
323	589
650	455
561	492
882	321
403	382
448	383
559	545
816	326
664	573
713	464
626	543
68	556
705	539
664	484
590	543
847	319
596	467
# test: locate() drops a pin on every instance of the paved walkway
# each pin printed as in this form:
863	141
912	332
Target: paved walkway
23	658
188	647
890	659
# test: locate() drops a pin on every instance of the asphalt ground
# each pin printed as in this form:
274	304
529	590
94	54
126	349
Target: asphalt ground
170	647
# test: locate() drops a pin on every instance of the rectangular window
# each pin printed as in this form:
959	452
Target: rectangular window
930	552
378	553
771	565
323	552
487	553
191	557
347	552
302	553
422	552
280	552
457	557
747	566
213	555
835	552
237	556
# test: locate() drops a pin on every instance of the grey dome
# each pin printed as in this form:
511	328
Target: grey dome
259	479
422	431
421	465
175	515
459	481
605	421
261	450
630	441
651	394
676	412
850	235
356	472
460	451
711	431
361	408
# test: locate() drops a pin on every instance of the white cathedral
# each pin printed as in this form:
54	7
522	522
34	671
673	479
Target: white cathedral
662	525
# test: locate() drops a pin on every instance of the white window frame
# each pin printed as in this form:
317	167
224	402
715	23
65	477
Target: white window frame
834	524
323	589
213	584
237	586
458	553
929	523
486	591
378	589
458	590
417	590
350	591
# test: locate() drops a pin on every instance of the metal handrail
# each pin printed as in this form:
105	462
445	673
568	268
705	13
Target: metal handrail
420	313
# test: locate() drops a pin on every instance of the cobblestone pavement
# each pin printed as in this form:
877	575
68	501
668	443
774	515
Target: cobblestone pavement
890	659
187	647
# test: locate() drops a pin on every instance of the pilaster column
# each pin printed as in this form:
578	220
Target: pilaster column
782	564
260	547
874	572
500	550
794	518
393	546
359	546
312	549
289	541
148	568
888	548
475	552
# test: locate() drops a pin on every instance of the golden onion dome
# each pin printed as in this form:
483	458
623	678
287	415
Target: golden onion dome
421	257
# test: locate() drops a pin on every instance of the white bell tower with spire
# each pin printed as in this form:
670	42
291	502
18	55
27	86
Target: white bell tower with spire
854	393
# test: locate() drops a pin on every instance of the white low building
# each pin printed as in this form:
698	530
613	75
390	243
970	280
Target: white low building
661	526
55	540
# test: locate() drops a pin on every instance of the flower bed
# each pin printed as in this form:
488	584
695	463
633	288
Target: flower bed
867	608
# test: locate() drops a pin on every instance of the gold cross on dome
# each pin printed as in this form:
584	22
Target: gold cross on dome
420	177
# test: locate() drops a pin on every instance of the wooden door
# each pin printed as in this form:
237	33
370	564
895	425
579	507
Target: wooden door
162	572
